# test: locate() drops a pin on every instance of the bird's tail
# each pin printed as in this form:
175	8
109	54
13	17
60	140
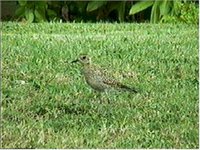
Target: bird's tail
120	85
130	89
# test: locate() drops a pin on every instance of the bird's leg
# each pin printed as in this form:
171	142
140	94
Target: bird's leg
102	97
106	97
97	96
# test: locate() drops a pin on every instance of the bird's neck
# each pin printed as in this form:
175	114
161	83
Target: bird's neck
86	65
86	70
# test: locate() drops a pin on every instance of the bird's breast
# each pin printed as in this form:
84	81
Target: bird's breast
93	79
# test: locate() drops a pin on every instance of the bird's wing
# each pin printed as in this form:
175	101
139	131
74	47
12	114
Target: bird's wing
119	85
103	75
108	79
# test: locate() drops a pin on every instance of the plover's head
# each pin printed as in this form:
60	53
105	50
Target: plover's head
83	59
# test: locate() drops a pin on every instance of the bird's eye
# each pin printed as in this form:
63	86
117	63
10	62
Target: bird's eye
84	57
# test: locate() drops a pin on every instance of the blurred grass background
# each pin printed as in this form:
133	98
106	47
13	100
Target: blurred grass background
46	103
153	11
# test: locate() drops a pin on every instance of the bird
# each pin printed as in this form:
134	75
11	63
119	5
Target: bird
98	78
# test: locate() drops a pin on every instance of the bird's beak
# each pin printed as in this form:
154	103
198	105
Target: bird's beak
74	61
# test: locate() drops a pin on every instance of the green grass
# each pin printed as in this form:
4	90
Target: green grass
46	103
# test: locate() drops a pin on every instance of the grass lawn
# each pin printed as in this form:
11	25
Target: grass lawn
47	104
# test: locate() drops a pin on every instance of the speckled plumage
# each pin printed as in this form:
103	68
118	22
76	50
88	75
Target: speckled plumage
98	78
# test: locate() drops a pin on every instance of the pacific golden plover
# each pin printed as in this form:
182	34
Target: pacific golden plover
98	78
